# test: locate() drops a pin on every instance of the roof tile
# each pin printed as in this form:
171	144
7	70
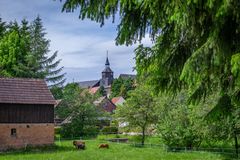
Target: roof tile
25	91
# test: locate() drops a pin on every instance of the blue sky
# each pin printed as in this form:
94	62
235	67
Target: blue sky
81	45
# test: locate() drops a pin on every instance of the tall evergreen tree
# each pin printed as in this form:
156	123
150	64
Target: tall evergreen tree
47	66
24	52
2	28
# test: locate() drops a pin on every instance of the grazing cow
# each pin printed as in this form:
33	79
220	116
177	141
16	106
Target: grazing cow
79	144
103	146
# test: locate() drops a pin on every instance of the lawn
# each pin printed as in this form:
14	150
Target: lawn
65	151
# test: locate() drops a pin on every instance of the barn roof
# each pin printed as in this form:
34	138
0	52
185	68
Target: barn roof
25	91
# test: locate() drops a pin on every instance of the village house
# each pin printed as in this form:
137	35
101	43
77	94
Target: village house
93	86
118	100
105	104
26	113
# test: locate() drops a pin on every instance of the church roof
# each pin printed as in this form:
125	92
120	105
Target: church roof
107	69
88	84
107	62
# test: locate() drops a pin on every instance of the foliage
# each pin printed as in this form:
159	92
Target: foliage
57	92
196	45
83	117
179	125
101	91
57	130
24	52
46	65
195	40
14	52
2	27
63	110
109	130
139	109
220	118
121	87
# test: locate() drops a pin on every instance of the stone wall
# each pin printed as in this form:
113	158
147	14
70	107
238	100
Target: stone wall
26	135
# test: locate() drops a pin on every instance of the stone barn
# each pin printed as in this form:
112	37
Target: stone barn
26	113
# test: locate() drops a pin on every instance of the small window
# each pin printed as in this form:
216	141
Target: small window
13	132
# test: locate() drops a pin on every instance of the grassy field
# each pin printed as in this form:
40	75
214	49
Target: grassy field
65	151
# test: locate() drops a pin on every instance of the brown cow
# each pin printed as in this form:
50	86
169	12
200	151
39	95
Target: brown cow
103	146
79	144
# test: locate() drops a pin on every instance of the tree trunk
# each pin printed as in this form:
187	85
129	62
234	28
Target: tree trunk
143	136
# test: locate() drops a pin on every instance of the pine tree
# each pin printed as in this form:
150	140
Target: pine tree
2	28
24	52
46	66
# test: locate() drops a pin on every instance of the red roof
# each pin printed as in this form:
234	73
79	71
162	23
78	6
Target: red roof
93	90
115	99
25	91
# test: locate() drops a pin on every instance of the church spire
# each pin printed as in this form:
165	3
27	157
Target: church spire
107	74
107	61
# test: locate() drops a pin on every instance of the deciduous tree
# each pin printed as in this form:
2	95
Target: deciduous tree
139	110
83	115
121	87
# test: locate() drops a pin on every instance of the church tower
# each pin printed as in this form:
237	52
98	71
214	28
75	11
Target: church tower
107	74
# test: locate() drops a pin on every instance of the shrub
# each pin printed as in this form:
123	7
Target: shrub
91	131
73	131
57	130
109	129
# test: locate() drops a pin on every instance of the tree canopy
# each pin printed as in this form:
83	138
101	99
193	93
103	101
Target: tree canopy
139	110
121	87
196	42
196	49
24	52
78	108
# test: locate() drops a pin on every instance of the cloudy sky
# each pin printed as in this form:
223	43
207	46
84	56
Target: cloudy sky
81	45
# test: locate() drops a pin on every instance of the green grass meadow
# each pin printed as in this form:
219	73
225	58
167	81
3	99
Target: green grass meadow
65	151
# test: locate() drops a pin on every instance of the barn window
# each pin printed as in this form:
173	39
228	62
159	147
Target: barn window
13	132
